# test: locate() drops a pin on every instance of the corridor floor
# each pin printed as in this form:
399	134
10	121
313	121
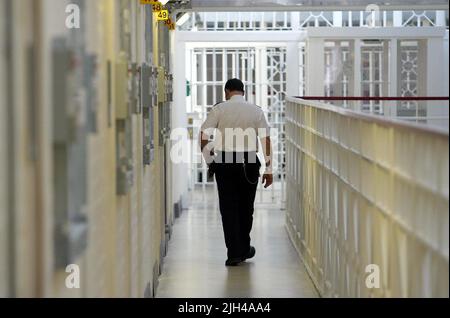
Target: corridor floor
194	265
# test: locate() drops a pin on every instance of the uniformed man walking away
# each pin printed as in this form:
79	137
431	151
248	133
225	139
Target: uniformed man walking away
237	126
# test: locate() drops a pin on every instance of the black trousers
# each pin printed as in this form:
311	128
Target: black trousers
237	183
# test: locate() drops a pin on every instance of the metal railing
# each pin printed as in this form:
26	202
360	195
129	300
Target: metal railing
288	21
429	110
367	202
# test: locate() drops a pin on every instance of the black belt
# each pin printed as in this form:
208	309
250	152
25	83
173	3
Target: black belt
236	157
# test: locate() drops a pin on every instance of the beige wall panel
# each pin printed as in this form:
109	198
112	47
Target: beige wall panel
135	208
100	256
25	230
4	290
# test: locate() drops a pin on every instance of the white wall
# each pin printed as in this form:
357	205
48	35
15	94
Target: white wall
179	116
437	79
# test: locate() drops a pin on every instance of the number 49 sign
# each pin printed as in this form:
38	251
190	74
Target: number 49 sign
163	15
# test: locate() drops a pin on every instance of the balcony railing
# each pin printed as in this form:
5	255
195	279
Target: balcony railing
288	21
433	111
367	202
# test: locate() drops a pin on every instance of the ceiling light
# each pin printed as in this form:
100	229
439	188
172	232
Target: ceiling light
183	19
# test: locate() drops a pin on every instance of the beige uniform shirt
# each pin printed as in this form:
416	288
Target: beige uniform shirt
237	125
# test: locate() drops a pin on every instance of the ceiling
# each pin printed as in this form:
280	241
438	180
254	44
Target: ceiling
314	5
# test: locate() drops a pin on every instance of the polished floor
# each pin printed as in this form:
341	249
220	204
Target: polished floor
194	266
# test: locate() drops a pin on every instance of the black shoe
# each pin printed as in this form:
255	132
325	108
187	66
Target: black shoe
250	253
233	262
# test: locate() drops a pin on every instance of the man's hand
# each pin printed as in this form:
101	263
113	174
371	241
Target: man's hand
267	180
206	147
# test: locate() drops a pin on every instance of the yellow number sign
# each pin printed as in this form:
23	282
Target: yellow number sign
163	15
149	2
157	7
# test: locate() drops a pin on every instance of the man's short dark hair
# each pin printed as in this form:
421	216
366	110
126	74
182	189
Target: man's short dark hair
234	85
